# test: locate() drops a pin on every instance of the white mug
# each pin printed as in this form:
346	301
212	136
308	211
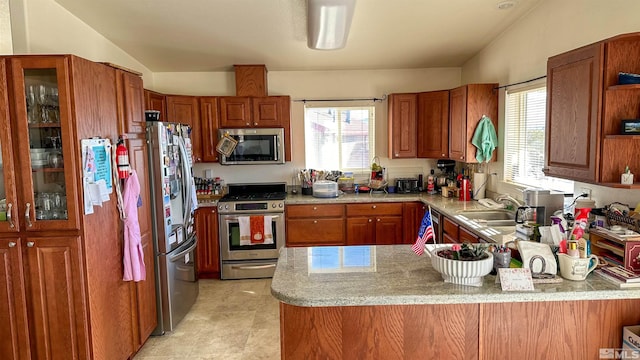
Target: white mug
576	269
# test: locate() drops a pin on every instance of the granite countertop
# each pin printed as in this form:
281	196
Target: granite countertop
394	275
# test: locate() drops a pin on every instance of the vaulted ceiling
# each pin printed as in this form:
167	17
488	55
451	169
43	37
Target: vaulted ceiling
212	35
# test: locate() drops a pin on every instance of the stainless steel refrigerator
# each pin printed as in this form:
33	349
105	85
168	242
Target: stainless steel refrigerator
173	203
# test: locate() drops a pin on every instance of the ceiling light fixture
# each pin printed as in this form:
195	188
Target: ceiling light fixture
328	23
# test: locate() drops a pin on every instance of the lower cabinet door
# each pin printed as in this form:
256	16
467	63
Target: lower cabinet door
208	250
361	231
55	286
14	331
146	294
388	230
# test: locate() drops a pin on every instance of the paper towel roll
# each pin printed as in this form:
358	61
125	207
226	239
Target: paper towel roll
479	185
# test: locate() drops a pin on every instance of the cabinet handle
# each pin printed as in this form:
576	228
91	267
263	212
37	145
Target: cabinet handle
315	221
30	243
374	206
247	124
378	220
12	244
315	208
255	123
442	155
9	219
27	215
397	155
370	220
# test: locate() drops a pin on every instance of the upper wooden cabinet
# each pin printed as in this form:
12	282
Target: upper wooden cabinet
433	124
260	112
263	112
131	103
585	109
467	104
156	101
210	118
185	110
402	119
251	80
574	82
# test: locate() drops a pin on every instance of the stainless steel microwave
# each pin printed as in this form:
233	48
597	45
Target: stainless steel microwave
255	146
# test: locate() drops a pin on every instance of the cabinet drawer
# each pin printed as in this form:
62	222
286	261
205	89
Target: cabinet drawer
374	209
314	211
467	236
449	227
302	232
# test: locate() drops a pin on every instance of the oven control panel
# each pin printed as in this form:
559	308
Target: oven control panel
251	207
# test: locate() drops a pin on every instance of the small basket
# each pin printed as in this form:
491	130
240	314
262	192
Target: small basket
613	218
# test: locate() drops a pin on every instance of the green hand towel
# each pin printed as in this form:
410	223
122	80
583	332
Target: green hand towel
485	139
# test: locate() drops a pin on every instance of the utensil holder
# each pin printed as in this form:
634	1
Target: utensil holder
307	191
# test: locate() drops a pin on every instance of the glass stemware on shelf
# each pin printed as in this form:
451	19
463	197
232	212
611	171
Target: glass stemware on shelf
42	104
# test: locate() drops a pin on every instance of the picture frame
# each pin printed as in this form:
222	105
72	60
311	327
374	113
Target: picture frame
630	127
226	145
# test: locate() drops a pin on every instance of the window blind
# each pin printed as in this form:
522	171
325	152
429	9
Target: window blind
524	143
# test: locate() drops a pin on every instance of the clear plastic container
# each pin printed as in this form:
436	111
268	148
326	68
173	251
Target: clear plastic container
345	184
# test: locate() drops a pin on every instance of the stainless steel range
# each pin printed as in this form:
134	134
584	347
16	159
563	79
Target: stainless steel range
251	220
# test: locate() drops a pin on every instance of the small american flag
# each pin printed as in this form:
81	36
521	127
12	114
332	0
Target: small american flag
424	234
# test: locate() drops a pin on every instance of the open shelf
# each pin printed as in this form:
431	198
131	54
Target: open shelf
624	87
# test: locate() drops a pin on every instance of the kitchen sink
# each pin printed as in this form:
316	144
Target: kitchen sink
491	217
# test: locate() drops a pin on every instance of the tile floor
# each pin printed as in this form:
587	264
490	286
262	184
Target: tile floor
231	320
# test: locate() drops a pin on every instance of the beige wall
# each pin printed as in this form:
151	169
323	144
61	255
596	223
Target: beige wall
44	27
317	85
6	44
553	27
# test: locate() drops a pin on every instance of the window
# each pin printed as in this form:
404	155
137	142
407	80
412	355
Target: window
339	138
524	140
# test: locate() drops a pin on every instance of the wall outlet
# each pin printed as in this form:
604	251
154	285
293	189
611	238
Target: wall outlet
586	191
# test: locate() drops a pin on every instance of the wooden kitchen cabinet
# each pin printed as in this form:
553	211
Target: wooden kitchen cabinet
402	125
412	214
130	103
315	225
574	82
90	312
258	112
452	233
467	105
143	292
156	101
208	250
14	339
185	110
374	224
585	109
433	125
210	118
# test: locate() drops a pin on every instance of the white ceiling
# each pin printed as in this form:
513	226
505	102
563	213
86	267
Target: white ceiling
212	35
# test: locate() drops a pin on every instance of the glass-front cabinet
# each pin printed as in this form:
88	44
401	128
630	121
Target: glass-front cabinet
42	147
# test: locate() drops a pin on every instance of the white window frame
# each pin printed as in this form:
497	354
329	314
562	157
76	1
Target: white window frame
339	106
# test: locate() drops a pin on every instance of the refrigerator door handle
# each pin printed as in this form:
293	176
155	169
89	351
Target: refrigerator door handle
179	255
188	179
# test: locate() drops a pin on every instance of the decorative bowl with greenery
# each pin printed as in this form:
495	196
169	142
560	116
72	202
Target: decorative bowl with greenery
464	264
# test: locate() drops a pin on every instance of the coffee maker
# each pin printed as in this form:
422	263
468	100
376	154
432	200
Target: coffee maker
540	204
447	168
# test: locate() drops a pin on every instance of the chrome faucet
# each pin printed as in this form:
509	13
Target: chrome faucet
506	199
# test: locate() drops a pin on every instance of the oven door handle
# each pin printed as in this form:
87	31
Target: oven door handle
234	218
252	267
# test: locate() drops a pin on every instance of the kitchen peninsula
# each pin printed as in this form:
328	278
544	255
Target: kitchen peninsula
384	302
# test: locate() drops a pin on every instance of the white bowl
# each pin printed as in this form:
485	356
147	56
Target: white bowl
459	271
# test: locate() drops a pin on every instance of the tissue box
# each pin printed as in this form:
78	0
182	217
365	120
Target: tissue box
631	338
